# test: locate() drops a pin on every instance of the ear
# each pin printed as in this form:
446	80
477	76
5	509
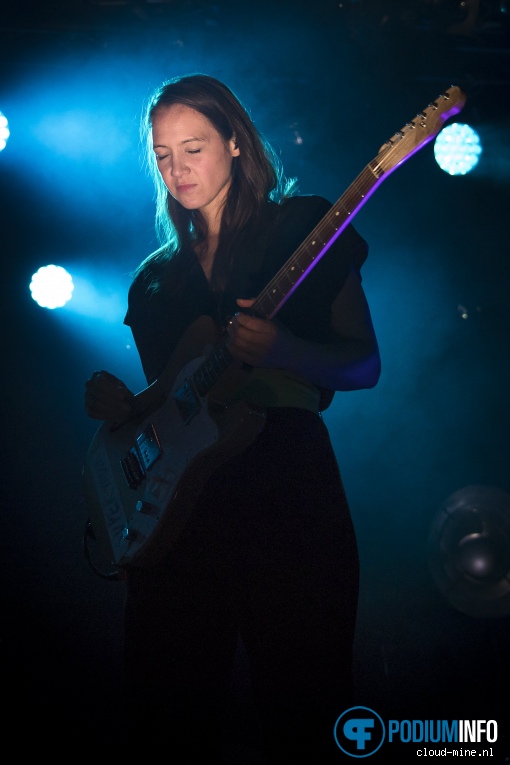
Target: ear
234	148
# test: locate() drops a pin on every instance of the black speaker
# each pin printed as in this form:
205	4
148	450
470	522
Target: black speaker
469	551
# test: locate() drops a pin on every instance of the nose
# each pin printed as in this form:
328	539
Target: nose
179	167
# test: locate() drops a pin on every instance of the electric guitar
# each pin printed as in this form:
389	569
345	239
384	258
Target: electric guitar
142	477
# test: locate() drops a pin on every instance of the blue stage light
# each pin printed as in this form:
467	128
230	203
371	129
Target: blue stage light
4	131
457	149
51	286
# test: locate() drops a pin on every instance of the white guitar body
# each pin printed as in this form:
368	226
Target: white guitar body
142	478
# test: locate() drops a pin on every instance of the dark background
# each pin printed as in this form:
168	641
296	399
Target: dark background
327	83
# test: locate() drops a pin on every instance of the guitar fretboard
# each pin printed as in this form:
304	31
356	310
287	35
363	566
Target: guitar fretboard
308	254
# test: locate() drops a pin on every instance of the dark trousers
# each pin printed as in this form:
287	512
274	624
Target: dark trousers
270	555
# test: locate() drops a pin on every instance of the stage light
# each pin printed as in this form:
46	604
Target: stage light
51	286
4	131
457	149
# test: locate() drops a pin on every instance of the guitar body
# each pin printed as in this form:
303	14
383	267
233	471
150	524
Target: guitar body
142	478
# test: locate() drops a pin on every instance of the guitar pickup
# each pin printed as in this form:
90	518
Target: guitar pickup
141	457
187	401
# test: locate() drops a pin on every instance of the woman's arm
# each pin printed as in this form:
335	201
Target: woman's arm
351	363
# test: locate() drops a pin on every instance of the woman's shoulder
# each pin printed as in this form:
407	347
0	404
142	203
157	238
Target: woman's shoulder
303	212
304	204
152	272
300	212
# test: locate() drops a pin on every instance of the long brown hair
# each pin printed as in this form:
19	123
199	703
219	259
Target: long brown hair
257	174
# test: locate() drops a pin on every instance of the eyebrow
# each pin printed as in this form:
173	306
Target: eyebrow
187	140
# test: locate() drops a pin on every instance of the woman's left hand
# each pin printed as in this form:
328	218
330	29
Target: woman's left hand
259	342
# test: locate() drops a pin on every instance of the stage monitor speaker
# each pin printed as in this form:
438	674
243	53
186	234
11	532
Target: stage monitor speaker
469	551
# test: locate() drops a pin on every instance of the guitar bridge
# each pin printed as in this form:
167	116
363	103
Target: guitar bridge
141	457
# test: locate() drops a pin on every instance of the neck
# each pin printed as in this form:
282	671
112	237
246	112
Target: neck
205	253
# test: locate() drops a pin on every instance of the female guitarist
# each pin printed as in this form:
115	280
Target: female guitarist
267	562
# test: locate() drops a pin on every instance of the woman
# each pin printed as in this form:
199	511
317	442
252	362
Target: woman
269	555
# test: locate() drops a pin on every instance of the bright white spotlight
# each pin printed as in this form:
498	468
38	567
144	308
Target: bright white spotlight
457	149
51	286
4	131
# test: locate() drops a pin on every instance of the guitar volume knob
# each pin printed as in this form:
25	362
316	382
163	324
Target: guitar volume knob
144	507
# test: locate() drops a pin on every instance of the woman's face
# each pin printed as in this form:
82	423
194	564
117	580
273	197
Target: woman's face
193	159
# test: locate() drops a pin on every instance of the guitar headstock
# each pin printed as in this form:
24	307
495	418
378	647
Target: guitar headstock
420	130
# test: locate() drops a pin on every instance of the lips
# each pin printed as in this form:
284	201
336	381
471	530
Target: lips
185	188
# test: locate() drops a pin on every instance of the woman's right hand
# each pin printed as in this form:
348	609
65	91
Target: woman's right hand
107	398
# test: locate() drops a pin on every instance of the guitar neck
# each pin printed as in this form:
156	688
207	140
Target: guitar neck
317	243
392	154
